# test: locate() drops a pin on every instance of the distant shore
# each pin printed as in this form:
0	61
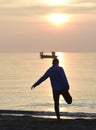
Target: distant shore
9	121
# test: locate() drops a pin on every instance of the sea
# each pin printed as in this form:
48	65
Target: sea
19	71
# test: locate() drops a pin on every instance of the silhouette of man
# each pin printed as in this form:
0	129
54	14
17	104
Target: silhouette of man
59	83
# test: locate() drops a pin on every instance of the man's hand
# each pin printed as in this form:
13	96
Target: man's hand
33	86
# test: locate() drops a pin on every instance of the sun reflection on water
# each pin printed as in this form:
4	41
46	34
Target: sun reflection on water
61	56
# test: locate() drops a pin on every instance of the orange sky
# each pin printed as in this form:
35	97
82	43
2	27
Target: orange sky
26	25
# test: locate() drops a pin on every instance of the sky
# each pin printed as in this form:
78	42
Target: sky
28	26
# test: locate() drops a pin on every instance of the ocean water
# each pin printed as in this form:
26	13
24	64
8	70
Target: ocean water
18	71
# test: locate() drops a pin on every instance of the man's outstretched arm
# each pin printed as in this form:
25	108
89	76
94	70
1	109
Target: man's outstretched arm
44	77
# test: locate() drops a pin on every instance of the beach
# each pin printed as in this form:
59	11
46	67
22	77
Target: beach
24	109
20	121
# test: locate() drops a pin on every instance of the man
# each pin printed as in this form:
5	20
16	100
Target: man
59	84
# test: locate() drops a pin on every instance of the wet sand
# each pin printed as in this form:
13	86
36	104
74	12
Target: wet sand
17	121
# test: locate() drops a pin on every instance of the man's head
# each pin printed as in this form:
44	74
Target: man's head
55	61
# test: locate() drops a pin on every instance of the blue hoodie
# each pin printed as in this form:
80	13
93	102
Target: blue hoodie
57	77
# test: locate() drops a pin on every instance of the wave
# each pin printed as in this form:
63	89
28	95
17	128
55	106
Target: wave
48	114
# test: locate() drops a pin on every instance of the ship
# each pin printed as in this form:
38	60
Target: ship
52	55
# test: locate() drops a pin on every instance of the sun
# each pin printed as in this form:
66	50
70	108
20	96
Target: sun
58	19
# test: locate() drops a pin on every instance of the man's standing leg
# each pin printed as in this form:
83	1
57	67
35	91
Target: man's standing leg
56	104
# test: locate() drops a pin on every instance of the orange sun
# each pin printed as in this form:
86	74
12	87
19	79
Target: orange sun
58	19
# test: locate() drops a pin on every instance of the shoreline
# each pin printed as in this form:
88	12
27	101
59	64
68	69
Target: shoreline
25	120
50	114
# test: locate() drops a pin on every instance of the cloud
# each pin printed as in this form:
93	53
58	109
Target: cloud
43	10
23	8
84	1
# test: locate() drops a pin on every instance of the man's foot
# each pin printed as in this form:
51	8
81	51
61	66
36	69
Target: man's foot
58	118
